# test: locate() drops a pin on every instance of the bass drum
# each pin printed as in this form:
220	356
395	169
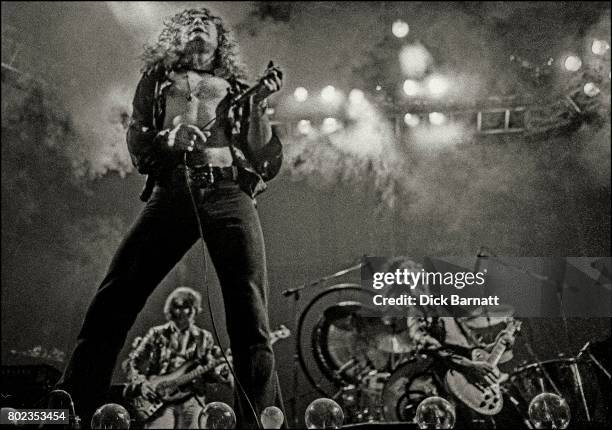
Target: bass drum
573	379
407	386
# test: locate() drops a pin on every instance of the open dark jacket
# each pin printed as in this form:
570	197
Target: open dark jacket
152	157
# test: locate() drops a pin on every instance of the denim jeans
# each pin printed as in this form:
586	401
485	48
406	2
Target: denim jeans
183	415
165	230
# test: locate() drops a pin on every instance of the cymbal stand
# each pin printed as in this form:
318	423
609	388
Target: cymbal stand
295	293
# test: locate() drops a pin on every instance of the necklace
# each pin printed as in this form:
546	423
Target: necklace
190	94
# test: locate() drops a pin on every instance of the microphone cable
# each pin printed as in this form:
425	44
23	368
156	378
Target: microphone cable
206	287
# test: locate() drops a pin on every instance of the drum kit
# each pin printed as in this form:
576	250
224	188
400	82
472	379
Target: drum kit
372	368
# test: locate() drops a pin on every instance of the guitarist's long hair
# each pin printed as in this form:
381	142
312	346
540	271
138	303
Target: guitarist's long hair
188	295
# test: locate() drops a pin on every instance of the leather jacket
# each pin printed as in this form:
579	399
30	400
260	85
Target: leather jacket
152	157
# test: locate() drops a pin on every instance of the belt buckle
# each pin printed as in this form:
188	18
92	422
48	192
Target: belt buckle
203	175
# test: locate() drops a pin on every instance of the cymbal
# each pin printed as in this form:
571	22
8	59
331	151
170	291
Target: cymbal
490	316
345	314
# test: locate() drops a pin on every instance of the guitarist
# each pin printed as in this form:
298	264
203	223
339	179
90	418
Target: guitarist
164	349
449	341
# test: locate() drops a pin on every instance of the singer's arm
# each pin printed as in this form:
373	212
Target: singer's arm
262	144
142	137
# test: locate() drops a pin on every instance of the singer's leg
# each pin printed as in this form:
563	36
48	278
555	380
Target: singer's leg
235	243
157	241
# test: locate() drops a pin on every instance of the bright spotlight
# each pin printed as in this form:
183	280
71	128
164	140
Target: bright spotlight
300	94
400	29
591	90
328	94
600	47
330	125
437	118
414	60
356	96
304	126
572	63
411	87
437	85
411	120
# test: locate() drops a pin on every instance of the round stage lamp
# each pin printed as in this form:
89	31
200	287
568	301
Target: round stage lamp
549	411
217	415
435	413
411	120
590	89
411	87
600	47
324	413
400	29
437	118
572	63
272	418
110	416
300	94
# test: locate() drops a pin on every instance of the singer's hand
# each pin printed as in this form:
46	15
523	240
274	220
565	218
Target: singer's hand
272	82
186	137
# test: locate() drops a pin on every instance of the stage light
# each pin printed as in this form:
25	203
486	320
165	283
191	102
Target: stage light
600	47
110	416
437	85
272	418
437	118
330	125
304	127
435	413
411	87
300	94
549	411
572	63
323	414
411	120
356	96
328	94
217	415
591	90
400	29
414	60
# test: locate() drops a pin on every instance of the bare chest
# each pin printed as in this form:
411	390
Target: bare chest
193	98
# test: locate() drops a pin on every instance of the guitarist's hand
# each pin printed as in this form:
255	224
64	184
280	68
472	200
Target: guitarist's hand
481	372
506	339
148	391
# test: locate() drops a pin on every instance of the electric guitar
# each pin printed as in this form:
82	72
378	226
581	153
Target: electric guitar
486	400
174	386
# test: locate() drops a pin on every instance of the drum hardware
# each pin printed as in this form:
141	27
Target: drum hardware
563	376
297	357
587	349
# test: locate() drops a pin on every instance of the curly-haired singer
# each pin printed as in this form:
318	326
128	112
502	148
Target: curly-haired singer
200	149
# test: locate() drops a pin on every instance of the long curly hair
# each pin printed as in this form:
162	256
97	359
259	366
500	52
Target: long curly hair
167	51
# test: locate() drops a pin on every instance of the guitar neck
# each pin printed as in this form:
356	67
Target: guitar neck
496	353
499	348
198	371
